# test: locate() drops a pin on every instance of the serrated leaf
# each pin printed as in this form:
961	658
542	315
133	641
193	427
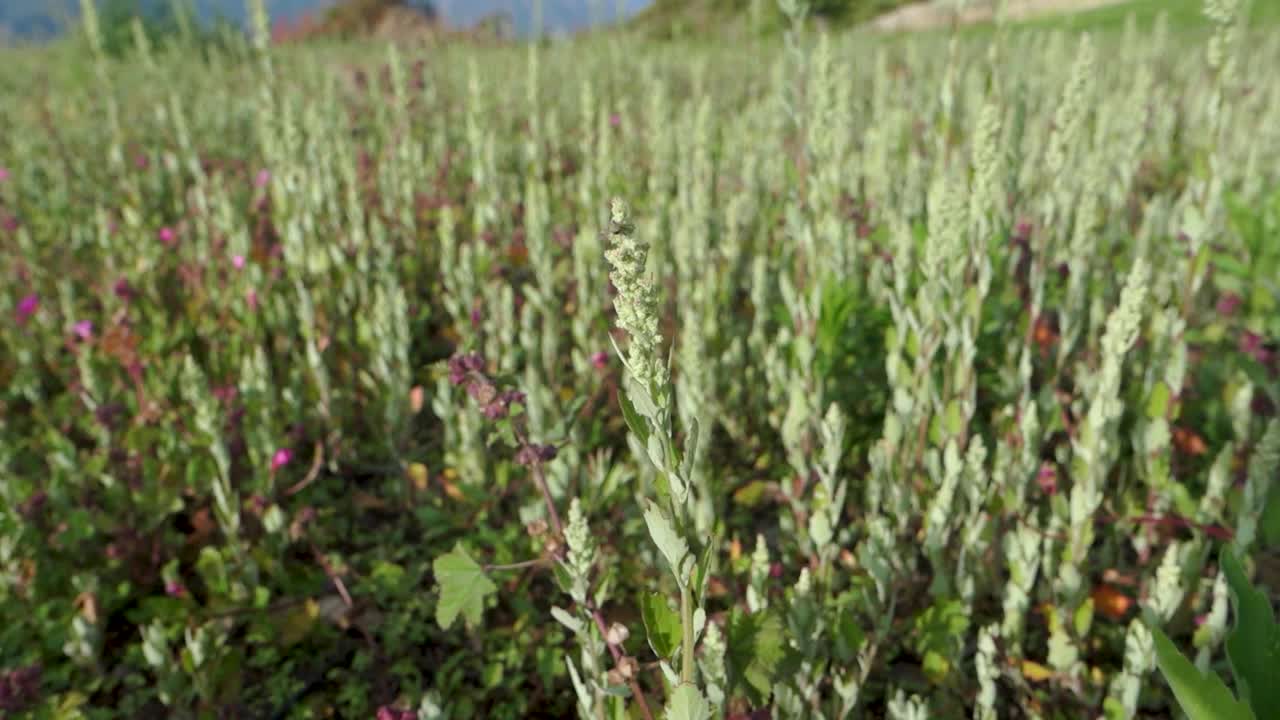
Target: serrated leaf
757	653
1201	697
670	544
661	625
463	587
637	424
1253	645
687	703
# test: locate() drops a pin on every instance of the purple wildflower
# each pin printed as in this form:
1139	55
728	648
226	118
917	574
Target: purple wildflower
83	330
4	174
615	120
27	307
264	177
600	360
174	589
237	261
167	236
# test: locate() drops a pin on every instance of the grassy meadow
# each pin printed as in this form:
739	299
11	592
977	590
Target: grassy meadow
814	374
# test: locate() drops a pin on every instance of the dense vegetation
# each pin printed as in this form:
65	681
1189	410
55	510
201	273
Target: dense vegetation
803	376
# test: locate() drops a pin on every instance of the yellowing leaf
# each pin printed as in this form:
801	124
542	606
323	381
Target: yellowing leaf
298	621
1035	672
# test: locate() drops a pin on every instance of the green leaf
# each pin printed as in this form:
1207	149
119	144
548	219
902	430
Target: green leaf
1253	646
661	624
757	653
687	703
1271	518
1201	697
670	544
636	423
1158	402
463	587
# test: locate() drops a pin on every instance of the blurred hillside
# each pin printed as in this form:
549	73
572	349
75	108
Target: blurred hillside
37	20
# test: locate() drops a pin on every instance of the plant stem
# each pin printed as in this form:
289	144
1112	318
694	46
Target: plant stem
516	566
686	623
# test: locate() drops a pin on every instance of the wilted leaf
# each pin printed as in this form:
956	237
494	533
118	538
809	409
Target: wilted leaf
463	587
1111	602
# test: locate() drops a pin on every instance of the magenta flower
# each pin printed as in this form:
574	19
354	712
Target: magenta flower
237	261
4	174
27	307
615	120
141	162
251	299
264	177
83	329
1228	303
174	589
1047	479
123	290
1251	344
281	458
168	236
600	360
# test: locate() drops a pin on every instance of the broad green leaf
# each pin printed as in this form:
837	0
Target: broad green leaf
687	703
1201	697
1253	646
661	624
463	587
670	544
757	653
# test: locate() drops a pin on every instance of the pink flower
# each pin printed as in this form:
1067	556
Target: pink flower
264	177
27	307
600	360
281	458
615	120
1047	479
141	161
172	588
168	236
1228	303
83	329
251	299
4	174
237	261
1251	344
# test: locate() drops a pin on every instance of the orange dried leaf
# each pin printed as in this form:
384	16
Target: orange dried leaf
1111	602
1188	442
